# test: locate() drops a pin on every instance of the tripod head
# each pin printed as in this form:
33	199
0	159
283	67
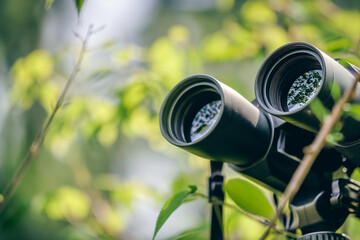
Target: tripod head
264	139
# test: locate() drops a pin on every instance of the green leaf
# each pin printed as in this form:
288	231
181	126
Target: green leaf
170	206
318	109
48	3
334	138
79	4
336	92
249	197
354	111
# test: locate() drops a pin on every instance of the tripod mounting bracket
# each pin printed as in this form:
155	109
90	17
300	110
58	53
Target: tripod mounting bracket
346	194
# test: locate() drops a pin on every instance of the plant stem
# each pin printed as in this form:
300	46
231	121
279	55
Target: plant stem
36	144
311	152
259	219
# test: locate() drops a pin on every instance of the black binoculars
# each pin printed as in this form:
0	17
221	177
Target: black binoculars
264	139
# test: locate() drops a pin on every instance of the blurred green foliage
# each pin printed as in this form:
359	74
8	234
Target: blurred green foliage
73	189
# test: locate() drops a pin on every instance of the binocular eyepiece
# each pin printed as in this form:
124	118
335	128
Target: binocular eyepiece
209	119
290	78
293	76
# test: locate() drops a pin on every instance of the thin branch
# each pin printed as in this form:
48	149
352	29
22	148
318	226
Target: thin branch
256	218
36	144
78	36
99	29
311	152
259	219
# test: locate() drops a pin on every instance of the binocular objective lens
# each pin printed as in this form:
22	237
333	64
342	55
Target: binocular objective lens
204	120
303	89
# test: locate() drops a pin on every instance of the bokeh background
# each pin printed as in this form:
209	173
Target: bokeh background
104	170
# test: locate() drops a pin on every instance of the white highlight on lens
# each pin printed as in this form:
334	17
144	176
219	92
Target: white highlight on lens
204	120
303	89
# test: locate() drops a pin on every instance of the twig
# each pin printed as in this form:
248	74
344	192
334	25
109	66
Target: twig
36	144
259	219
311	152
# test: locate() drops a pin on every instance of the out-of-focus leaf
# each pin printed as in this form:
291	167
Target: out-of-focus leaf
171	205
79	4
249	197
60	143
338	126
353	110
309	33
336	92
108	134
273	37
133	95
111	220
339	45
101	111
37	66
48	3
125	192
347	22
179	34
141	124
333	138
195	60
232	43
243	40
123	57
166	61
130	54
68	203
225	5
48	94
318	109
217	47
258	12
30	76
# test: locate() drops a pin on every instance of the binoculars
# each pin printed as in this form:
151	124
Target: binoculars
264	139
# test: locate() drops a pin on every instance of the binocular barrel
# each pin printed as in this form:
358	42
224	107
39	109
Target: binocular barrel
211	120
207	118
293	76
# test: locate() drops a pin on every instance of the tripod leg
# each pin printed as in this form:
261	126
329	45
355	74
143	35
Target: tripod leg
216	197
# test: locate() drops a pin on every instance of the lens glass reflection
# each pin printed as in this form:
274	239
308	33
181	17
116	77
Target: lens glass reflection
204	120
303	89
